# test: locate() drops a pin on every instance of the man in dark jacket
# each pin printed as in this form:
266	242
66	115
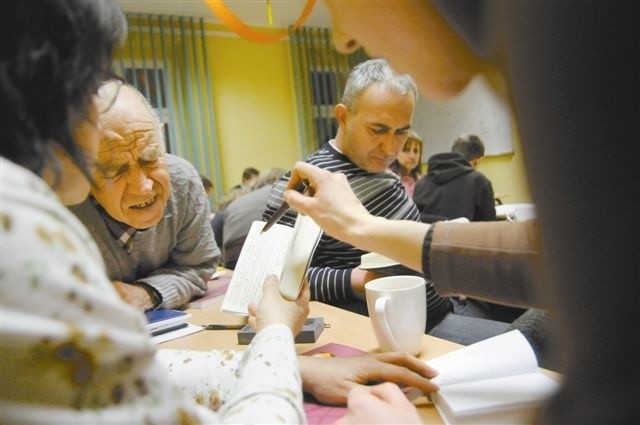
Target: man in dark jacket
453	188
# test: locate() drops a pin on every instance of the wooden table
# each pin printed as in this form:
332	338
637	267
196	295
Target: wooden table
344	327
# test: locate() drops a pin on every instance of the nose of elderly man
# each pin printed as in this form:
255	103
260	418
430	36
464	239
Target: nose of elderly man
139	182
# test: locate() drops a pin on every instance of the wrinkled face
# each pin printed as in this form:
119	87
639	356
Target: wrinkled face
132	179
375	129
409	156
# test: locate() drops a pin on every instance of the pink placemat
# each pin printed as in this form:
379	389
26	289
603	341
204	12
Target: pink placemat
321	414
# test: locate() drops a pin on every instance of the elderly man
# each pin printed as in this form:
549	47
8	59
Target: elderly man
148	210
374	120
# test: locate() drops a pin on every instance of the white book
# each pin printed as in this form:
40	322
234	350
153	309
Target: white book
177	333
495	381
373	260
380	264
283	251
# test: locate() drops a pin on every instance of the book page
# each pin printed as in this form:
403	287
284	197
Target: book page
262	254
485	401
373	260
502	355
385	266
305	239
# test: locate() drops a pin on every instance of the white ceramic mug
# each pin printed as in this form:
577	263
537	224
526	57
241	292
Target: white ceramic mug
398	310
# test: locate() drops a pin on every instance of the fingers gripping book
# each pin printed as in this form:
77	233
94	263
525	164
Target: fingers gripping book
283	251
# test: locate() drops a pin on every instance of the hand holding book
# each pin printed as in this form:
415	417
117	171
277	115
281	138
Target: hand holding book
283	251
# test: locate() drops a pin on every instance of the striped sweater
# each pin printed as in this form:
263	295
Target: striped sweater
382	195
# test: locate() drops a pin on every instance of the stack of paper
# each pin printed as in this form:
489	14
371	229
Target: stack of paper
162	320
165	325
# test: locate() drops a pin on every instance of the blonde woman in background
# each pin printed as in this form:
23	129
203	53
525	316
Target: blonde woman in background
407	164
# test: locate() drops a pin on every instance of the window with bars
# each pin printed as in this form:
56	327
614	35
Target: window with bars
324	89
319	74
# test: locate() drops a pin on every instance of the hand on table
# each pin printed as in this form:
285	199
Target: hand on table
135	295
379	404
329	380
273	308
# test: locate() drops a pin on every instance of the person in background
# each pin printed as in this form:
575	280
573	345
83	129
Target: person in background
71	351
206	183
573	92
231	225
208	189
453	187
148	211
374	119
249	175
408	162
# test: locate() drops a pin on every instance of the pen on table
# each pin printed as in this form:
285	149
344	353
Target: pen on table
216	327
300	187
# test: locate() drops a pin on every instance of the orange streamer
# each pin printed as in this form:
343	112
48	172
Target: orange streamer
243	30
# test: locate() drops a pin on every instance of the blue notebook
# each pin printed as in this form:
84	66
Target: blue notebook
163	319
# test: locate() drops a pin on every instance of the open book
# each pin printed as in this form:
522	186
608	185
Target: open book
283	251
493	381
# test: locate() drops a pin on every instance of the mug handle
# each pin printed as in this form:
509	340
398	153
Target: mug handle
381	315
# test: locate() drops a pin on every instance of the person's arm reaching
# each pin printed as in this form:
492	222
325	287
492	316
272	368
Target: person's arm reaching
337	210
495	261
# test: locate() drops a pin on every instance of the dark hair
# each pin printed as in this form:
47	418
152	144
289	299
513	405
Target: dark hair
249	172
206	182
471	147
273	175
396	167
53	56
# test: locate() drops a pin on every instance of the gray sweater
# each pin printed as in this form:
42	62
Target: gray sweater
178	255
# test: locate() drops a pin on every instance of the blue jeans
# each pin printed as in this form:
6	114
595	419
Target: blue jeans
472	321
467	330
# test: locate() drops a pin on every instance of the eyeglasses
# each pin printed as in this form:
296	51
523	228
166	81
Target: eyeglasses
108	93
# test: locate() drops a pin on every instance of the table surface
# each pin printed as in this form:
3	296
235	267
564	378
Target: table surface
344	327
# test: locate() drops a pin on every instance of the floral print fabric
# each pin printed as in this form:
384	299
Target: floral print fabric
72	352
